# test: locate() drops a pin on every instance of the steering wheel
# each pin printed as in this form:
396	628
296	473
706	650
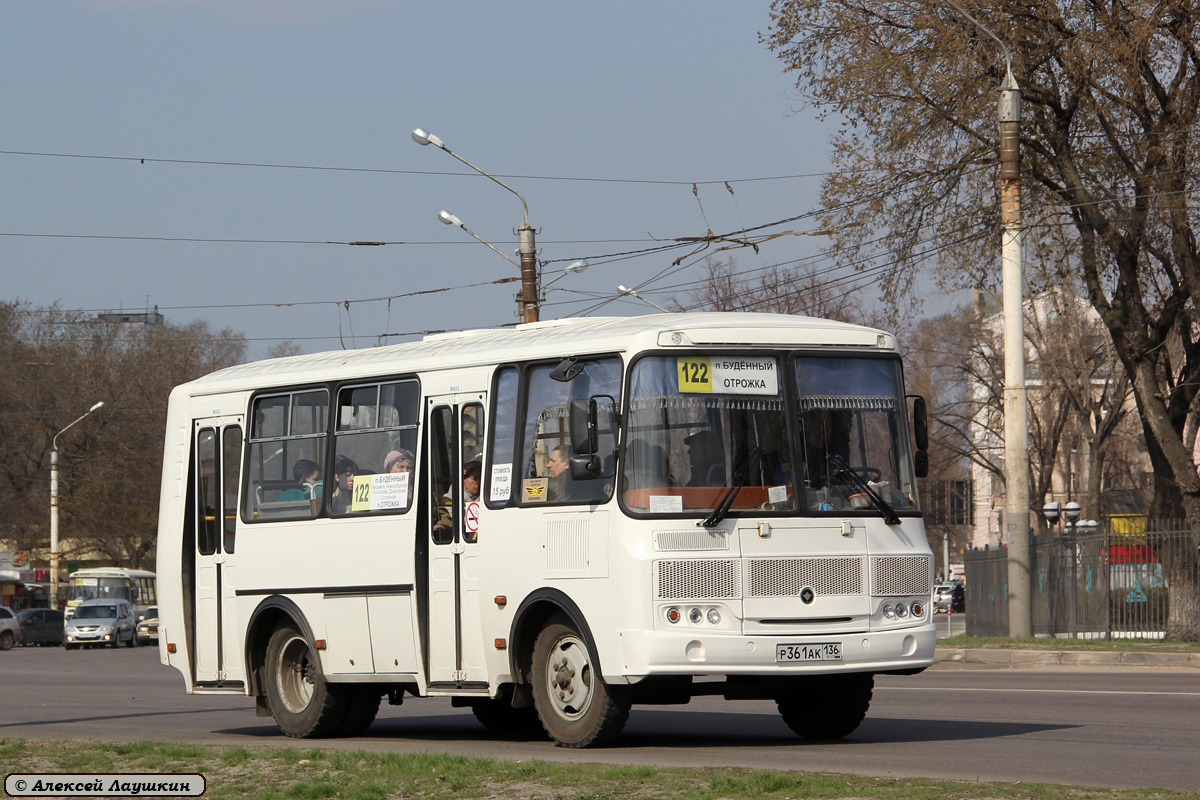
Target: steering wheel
867	473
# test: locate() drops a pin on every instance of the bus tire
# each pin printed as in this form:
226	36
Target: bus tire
576	707
827	706
303	704
362	704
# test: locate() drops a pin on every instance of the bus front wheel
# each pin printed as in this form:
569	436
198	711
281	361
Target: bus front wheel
576	707
303	704
827	706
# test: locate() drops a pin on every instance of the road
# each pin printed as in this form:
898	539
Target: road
1087	726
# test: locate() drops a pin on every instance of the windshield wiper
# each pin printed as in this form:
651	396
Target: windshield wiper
741	474
889	513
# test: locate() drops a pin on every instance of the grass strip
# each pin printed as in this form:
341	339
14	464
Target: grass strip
283	773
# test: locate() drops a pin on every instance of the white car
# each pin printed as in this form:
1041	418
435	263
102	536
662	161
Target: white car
10	629
941	598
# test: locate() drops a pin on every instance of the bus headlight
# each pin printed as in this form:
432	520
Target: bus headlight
889	611
714	616
695	616
673	615
901	610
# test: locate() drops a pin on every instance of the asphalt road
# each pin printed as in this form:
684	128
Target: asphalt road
1093	727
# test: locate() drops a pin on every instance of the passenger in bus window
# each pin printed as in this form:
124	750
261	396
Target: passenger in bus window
471	473
400	461
344	471
308	475
556	469
822	441
706	459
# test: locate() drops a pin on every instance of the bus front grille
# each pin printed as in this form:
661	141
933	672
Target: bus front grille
698	579
900	575
787	577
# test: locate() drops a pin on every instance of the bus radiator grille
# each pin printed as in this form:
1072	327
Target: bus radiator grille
699	579
900	575
786	577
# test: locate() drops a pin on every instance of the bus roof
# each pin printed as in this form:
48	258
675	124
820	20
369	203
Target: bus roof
550	339
111	572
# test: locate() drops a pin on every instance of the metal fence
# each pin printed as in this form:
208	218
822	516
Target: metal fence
1105	582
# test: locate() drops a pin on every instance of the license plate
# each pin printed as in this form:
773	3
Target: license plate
825	651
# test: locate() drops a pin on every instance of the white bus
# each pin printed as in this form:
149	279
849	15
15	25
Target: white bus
135	585
551	523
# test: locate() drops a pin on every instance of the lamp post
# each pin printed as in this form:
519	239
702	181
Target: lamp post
574	266
54	505
1016	415
625	291
527	301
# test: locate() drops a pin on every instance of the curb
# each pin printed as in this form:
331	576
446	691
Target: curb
1015	659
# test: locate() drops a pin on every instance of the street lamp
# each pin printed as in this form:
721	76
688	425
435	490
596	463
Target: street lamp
625	291
450	219
527	302
54	505
574	266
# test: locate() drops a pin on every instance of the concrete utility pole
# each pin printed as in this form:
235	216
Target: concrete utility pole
1016	421
527	300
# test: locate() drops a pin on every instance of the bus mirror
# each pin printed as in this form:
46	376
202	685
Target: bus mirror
921	463
585	468
920	422
584	439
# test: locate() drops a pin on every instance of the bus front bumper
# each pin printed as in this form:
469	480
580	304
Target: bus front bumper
644	653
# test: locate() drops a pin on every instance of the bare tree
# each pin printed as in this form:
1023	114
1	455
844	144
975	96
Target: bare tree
58	363
776	290
1108	135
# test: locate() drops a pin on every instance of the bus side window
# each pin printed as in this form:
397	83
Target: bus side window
502	462
442	466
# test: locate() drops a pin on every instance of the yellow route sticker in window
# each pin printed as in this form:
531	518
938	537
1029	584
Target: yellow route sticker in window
695	374
360	498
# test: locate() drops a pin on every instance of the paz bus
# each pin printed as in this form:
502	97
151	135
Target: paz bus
117	583
550	524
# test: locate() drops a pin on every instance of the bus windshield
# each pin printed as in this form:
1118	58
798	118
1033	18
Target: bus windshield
700	426
697	423
852	434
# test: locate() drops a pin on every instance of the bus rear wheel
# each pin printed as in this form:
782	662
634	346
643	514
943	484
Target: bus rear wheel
303	704
576	707
827	706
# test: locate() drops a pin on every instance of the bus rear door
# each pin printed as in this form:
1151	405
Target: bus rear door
454	446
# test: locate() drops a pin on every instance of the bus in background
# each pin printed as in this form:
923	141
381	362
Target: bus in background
551	523
138	586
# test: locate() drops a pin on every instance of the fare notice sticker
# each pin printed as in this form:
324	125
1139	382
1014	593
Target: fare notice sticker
728	375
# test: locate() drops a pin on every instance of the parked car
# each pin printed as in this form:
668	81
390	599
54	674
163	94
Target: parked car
941	598
10	629
101	622
147	629
41	625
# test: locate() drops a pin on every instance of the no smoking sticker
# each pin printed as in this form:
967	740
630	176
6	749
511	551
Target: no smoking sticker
471	516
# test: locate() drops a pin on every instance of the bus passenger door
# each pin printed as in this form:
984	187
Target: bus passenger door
218	459
453	461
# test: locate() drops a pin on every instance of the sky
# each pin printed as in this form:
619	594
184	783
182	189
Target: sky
199	155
